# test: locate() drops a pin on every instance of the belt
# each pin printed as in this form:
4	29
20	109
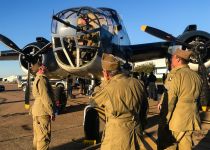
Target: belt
188	100
124	119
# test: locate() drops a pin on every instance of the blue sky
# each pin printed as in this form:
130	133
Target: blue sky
23	20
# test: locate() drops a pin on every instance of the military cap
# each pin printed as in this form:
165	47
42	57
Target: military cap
183	53
109	62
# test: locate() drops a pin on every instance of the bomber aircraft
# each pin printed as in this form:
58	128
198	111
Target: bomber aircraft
81	35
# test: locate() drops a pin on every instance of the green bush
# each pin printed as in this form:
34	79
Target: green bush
146	68
159	80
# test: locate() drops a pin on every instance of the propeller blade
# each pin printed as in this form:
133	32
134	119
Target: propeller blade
158	33
10	44
27	92
163	35
48	45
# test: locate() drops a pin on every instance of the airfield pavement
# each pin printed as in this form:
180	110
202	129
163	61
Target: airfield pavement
67	130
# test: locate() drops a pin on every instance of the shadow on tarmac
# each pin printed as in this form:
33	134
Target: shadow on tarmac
76	144
74	108
79	145
13	90
4	101
15	114
26	127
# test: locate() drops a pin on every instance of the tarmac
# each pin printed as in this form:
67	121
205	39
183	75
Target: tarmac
67	130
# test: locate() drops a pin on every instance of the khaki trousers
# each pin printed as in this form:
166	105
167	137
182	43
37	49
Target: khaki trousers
184	141
42	132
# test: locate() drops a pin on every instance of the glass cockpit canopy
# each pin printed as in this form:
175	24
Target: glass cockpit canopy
76	34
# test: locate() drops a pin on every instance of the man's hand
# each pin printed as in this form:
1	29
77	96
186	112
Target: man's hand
159	106
52	117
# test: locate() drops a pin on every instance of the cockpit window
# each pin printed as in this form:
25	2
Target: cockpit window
111	13
53	26
76	35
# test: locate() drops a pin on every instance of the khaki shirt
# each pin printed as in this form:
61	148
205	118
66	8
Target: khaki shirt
183	87
43	94
122	97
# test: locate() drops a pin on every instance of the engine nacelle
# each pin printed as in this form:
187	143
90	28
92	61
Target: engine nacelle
47	58
197	39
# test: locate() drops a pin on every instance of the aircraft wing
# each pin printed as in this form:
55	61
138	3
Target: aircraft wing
9	55
147	51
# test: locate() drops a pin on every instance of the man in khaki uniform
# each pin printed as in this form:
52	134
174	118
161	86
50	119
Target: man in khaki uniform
42	109
123	98
183	88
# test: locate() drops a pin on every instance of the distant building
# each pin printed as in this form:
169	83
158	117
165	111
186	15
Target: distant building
12	78
160	66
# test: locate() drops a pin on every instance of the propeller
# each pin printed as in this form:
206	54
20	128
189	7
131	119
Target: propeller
198	50
163	35
48	45
10	44
30	58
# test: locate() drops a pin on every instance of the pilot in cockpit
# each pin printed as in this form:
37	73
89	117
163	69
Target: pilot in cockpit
88	23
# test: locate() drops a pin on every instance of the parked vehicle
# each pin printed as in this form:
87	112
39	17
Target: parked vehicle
58	83
23	83
2	88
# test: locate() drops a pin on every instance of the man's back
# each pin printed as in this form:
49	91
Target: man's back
126	94
122	98
186	85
